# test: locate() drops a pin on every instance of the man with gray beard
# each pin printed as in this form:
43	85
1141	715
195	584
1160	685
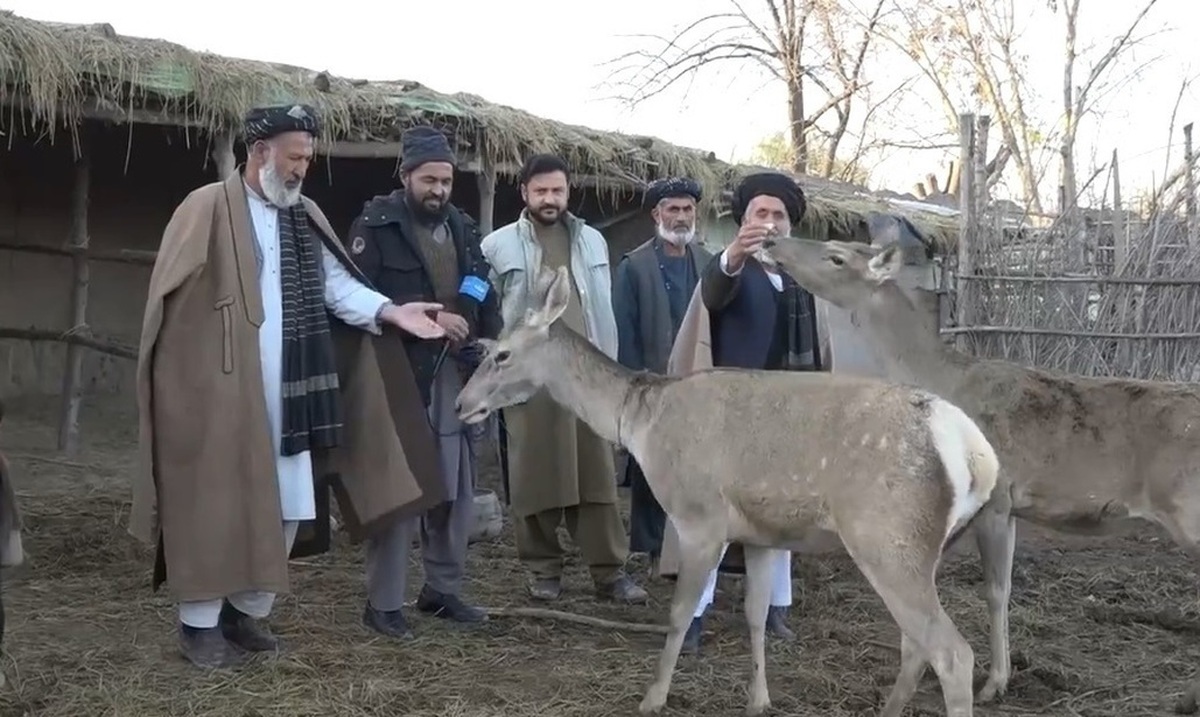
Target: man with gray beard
268	372
651	290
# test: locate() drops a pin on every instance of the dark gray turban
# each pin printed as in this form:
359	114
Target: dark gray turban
772	184
422	144
668	187
263	123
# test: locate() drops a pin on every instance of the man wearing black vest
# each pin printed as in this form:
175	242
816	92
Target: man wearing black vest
651	290
415	243
760	318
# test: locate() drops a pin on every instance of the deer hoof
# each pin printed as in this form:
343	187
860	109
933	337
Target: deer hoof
653	702
993	688
757	707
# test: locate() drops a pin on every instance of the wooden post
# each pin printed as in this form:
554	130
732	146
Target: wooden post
966	224
486	181
72	388
1189	163
222	154
981	168
1120	238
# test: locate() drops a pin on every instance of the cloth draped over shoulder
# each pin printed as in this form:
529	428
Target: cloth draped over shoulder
205	492
692	352
11	551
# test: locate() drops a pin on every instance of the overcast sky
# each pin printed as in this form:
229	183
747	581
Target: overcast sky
536	56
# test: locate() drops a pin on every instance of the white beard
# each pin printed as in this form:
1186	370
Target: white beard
675	237
274	189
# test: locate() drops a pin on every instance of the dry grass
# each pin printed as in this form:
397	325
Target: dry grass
1099	628
55	71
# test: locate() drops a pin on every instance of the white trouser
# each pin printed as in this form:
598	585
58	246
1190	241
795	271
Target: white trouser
255	603
781	583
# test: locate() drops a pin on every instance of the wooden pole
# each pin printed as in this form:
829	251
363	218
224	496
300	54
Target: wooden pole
1189	159
72	388
222	154
967	224
486	181
981	167
1120	238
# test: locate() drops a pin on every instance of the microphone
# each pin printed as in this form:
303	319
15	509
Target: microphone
472	287
475	288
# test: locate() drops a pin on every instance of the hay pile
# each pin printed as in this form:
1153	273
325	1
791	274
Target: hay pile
57	72
1097	627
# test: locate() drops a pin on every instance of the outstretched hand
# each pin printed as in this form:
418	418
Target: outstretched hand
414	317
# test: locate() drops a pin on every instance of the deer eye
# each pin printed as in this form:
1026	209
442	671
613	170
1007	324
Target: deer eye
502	356
837	260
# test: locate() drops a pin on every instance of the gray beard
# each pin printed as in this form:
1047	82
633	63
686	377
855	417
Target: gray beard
275	190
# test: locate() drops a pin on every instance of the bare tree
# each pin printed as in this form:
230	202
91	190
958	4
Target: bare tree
972	52
1076	98
775	151
804	44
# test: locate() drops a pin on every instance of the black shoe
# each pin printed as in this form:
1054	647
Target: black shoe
207	648
777	623
450	607
691	639
390	623
246	632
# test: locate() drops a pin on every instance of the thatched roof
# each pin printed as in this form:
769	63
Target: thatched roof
62	73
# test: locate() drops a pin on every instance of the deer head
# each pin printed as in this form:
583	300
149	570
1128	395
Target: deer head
843	273
514	366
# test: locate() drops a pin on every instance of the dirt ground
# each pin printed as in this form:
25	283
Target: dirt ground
1099	627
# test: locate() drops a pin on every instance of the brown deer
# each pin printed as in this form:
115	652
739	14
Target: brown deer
767	459
1081	455
11	551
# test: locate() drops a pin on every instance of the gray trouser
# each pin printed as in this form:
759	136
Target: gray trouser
445	528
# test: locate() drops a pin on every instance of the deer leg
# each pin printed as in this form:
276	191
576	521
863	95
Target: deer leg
913	662
757	599
911	598
996	538
1184	528
699	554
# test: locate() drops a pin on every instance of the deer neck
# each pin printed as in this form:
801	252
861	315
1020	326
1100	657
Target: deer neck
598	390
908	342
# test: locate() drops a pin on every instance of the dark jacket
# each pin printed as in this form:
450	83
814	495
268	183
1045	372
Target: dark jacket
754	326
381	244
646	327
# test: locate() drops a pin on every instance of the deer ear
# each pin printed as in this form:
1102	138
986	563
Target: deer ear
886	263
557	296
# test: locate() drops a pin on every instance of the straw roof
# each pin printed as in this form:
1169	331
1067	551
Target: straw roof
62	73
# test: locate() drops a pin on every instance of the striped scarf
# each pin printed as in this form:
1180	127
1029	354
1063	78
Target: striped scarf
312	409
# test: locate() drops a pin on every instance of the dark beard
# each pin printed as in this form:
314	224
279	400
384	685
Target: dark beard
537	217
421	213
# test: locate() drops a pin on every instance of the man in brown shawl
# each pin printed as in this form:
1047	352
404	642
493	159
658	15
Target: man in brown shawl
11	551
559	469
260	386
414	244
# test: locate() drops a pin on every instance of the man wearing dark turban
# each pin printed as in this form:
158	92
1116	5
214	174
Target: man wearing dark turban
748	314
261	381
651	289
415	244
